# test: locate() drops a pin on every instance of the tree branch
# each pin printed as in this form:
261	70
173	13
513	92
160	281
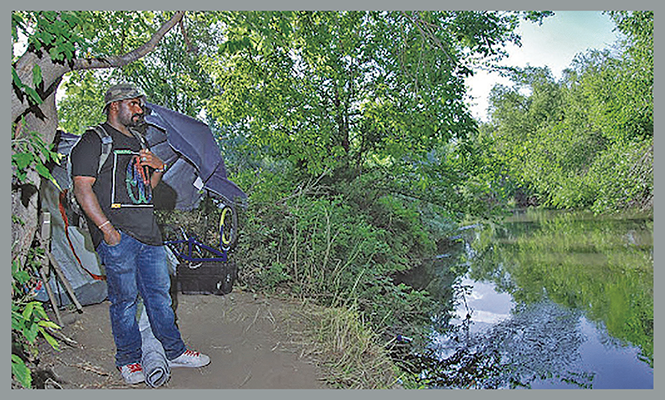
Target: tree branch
52	72
428	34
119	61
190	48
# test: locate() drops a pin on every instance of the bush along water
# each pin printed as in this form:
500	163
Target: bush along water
339	244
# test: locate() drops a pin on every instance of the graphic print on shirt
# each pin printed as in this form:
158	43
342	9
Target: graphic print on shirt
135	189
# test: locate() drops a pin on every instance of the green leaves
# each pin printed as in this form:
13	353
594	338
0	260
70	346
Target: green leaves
33	96
336	89
583	141
338	249
21	372
29	319
30	152
56	32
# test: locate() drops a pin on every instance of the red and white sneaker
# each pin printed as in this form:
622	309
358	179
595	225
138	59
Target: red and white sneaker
190	359
132	373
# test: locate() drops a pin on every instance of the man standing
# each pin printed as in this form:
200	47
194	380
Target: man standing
117	202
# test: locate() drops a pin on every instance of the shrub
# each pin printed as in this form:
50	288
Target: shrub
336	246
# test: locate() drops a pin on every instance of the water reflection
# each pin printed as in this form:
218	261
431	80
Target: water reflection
544	301
482	304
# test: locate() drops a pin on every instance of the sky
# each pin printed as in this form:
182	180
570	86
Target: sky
554	44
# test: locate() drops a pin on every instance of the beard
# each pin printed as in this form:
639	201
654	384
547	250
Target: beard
140	124
137	120
132	121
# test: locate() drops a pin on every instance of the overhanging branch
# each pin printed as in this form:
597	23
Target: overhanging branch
52	72
119	61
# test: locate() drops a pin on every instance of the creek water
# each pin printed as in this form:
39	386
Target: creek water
542	300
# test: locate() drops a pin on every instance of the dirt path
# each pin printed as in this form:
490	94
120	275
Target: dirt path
252	341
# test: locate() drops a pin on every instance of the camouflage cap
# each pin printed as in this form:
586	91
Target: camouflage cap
121	91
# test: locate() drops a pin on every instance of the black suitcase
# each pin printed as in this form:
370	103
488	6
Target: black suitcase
211	277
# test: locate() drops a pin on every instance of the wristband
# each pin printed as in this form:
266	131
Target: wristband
100	226
162	169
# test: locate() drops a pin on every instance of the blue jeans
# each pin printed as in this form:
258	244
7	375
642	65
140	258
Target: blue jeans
132	269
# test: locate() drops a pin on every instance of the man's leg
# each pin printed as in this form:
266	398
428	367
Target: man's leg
154	282
154	285
120	265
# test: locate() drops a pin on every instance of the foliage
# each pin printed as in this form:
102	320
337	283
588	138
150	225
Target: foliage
30	152
29	320
33	97
342	90
586	140
79	34
82	105
329	249
172	75
57	32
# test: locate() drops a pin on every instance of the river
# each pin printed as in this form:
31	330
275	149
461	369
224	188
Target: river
542	300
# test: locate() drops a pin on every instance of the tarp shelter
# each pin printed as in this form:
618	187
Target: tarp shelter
195	162
196	168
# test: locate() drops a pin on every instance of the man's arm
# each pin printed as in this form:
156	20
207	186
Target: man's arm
149	159
88	201
156	177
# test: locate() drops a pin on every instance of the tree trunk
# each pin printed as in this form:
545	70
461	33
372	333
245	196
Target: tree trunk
25	197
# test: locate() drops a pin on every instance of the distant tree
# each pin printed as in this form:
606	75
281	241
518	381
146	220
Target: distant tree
587	139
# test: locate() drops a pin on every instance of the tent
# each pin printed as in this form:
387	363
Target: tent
72	248
196	169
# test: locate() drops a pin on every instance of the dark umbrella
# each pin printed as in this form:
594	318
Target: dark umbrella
195	164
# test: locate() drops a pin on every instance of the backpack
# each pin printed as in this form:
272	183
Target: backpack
107	145
64	143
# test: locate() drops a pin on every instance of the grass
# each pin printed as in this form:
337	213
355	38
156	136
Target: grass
348	352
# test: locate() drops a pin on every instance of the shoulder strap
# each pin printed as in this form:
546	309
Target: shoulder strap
107	144
140	138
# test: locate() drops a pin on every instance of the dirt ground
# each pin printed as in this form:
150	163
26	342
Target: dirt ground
254	342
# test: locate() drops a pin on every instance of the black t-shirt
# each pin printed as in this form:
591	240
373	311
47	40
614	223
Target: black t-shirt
122	186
